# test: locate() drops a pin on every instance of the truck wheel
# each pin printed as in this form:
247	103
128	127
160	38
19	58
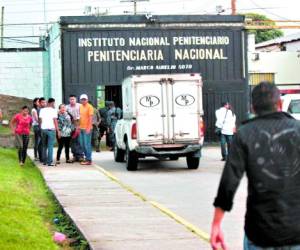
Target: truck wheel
131	159
118	154
192	162
174	158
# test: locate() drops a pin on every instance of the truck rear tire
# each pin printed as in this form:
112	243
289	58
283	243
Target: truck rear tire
118	154
192	162
131	159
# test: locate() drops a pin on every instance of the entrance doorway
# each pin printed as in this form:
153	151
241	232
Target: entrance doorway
114	93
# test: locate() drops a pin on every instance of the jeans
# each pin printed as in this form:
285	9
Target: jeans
22	145
37	141
248	245
76	149
63	141
225	144
48	139
85	140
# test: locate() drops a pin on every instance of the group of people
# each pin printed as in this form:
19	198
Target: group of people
76	126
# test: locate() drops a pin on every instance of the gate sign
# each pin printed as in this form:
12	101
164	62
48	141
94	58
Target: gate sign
149	101
185	100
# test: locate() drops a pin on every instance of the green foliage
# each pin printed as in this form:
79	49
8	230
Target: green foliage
263	35
27	209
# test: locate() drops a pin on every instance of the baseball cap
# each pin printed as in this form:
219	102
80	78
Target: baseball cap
83	96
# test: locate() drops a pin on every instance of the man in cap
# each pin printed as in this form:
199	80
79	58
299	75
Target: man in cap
86	125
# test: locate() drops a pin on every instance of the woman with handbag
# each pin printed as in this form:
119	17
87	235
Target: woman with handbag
65	127
225	127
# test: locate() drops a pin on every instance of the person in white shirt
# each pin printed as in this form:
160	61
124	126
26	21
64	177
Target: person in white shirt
225	121
48	121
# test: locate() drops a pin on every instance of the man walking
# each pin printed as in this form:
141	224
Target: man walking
74	109
267	149
48	121
86	121
225	122
113	115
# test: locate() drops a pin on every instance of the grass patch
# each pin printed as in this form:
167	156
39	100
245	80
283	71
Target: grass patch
4	130
27	209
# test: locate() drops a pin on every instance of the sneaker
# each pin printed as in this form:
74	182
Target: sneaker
69	161
86	163
51	165
57	162
21	164
36	159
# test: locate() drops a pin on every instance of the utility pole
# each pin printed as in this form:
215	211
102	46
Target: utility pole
2	27
134	4
233	7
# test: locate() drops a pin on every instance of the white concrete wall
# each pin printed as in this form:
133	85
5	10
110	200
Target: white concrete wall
21	74
55	64
285	65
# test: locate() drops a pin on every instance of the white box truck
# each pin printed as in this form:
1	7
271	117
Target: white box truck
162	117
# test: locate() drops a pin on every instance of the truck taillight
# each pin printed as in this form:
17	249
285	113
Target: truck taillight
201	128
133	131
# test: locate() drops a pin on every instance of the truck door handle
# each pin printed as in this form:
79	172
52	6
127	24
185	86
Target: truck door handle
173	115
163	115
154	135
182	133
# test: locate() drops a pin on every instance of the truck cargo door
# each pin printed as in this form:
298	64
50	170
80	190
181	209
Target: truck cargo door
150	112
186	100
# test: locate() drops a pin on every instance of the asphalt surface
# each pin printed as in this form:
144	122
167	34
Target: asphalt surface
188	193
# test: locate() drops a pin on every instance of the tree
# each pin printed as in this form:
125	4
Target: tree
263	35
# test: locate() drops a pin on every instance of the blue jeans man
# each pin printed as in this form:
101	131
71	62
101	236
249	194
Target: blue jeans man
85	140
225	145
249	245
48	140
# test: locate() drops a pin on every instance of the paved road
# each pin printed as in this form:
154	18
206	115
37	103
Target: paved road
188	193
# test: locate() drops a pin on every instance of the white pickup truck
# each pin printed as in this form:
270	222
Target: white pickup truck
162	117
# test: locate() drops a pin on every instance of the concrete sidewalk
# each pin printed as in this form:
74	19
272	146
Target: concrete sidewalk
111	217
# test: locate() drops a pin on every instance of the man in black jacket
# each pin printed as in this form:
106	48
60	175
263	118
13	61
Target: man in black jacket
267	149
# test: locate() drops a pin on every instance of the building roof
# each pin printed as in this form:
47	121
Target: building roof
114	19
279	40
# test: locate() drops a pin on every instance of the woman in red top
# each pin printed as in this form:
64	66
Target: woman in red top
20	126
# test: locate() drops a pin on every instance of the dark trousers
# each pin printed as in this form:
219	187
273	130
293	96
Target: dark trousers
63	142
225	144
102	131
22	145
76	148
37	142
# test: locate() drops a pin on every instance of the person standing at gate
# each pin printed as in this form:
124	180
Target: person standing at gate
42	104
65	127
225	123
113	115
20	126
48	121
95	130
86	125
103	124
74	109
36	128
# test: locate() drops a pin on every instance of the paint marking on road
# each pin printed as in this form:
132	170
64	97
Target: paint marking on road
197	231
203	235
